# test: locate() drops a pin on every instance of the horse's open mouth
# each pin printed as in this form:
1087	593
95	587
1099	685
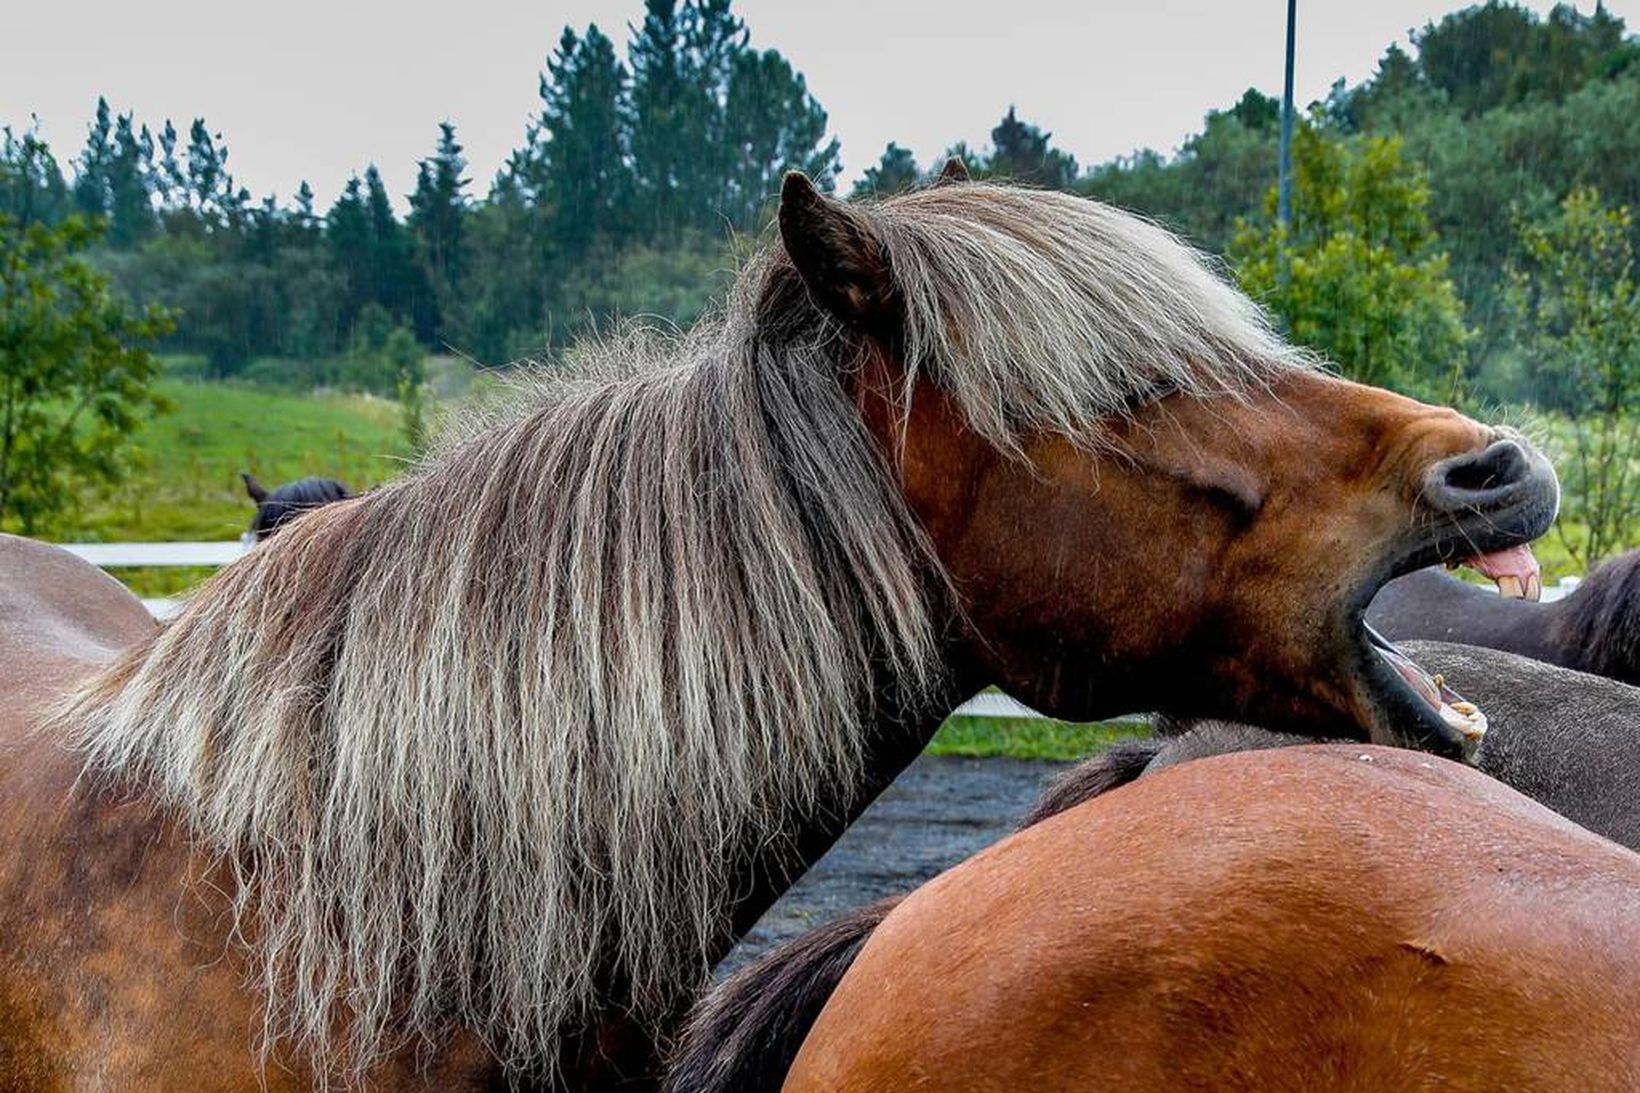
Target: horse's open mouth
1444	720
1460	715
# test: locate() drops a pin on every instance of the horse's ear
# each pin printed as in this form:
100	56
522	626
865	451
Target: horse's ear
254	488
839	256
955	170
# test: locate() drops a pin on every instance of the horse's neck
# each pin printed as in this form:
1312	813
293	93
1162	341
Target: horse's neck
892	743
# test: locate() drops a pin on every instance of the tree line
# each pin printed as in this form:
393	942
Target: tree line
1442	209
628	180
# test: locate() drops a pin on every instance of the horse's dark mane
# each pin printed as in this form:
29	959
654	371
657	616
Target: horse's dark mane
1117	765
310	491
1601	620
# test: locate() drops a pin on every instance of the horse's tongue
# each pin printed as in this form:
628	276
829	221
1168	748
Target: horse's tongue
1515	570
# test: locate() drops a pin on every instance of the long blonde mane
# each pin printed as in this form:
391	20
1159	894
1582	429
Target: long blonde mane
504	732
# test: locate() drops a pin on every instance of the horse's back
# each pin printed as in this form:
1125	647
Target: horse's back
59	617
1333	918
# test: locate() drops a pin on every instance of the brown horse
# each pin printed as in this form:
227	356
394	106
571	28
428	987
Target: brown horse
1308	919
482	770
1595	629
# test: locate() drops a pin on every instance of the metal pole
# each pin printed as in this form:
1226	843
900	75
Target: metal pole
1285	188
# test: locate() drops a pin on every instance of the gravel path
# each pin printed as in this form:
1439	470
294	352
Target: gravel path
938	812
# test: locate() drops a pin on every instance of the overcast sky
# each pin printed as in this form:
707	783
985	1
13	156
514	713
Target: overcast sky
316	89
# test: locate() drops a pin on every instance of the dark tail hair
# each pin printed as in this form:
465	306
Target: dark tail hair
1117	765
743	1036
1601	621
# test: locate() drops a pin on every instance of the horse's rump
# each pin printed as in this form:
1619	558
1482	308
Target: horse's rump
1339	917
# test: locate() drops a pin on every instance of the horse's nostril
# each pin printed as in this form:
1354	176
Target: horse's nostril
1466	479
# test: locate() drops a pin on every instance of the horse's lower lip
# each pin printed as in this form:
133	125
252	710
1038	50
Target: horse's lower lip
1461	715
1412	709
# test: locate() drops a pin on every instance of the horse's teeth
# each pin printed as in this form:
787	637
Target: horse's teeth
1466	718
1534	587
1510	588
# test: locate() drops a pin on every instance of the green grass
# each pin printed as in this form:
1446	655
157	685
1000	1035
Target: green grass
187	485
1029	738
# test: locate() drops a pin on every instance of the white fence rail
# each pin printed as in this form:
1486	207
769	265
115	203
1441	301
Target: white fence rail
117	555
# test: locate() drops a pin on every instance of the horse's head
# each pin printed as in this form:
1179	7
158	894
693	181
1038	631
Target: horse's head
277	507
1171	510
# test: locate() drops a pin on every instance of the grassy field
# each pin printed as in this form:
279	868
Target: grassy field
187	485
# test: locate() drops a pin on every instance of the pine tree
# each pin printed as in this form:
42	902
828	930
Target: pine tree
32	188
895	172
91	197
170	177
716	38
126	183
1021	152
395	281
661	116
773	125
347	231
210	188
580	171
438	209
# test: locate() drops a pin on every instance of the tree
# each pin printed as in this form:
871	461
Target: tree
580	173
1359	274
663	123
895	172
75	378
210	188
772	124
1577	317
438	221
1021	151
1219	176
32	188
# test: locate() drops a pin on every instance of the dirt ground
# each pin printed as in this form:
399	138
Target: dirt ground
938	812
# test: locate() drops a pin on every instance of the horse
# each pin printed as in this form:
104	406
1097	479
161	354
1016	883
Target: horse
1566	739
559	713
1594	629
1309	918
277	507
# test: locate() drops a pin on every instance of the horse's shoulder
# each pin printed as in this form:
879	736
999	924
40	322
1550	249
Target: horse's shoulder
56	608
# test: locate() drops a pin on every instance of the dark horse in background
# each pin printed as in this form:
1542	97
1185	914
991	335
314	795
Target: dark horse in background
1595	629
276	508
1569	740
558	714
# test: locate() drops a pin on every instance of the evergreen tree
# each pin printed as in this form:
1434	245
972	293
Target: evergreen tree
170	177
126	184
895	172
716	39
1021	152
347	230
662	119
438	209
580	171
210	188
91	197
773	125
32	188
